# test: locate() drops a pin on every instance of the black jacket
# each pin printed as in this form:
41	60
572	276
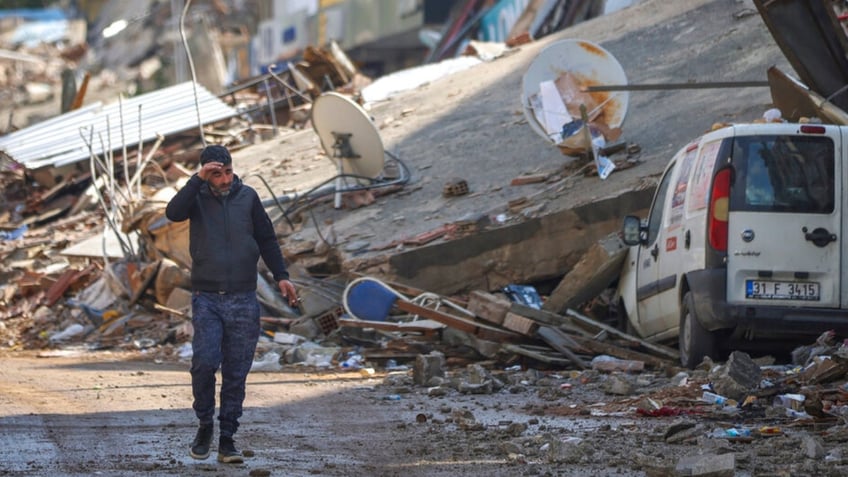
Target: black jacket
227	235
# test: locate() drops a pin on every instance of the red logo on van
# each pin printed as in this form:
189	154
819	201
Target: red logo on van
670	244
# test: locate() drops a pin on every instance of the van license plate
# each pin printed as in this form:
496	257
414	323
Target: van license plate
772	290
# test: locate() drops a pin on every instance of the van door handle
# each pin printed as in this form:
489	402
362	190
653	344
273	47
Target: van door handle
655	251
820	236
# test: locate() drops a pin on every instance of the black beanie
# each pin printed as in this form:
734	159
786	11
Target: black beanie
215	153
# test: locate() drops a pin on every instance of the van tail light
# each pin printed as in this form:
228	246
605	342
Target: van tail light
719	211
813	129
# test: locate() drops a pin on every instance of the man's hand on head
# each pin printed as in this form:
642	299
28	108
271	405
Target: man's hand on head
208	169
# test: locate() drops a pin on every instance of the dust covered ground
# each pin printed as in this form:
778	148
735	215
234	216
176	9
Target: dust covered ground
470	125
67	413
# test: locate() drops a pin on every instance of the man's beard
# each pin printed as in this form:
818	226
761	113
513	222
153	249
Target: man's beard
222	192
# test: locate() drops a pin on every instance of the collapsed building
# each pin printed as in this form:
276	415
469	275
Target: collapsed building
127	285
498	249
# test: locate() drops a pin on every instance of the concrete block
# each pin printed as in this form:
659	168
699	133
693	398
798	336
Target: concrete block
813	447
594	272
488	307
738	377
427	367
707	465
307	328
179	299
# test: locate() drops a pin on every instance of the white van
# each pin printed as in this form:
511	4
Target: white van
742	245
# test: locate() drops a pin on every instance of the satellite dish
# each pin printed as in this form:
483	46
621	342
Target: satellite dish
349	138
589	65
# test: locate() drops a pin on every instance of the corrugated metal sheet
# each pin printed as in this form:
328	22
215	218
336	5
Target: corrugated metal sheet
59	141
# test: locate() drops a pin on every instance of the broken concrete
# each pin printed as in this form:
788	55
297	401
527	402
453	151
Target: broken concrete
599	267
738	377
428	367
707	465
533	250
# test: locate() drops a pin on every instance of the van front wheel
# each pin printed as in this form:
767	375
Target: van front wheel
695	341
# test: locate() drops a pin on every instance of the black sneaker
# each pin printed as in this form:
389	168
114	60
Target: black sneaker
227	452
202	442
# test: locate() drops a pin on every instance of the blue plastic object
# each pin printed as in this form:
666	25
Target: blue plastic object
14	234
524	294
569	129
370	300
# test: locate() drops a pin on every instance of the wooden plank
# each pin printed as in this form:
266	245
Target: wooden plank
166	309
665	351
80	94
548	318
562	343
623	353
814	42
538	356
148	275
529	179
57	290
526	19
563	336
520	324
419	326
389	354
463	324
795	100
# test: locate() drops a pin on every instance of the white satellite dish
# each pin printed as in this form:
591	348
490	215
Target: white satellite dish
589	65
349	138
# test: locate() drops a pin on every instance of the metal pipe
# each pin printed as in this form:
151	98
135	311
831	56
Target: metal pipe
193	73
271	108
669	86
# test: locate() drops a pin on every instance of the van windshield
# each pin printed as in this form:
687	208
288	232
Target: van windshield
783	174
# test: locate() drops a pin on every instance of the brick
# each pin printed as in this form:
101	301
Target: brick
529	179
520	324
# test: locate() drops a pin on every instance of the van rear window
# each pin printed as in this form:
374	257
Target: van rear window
783	174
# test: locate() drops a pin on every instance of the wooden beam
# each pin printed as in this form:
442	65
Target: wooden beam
562	343
548	318
665	351
537	355
426	327
623	353
463	324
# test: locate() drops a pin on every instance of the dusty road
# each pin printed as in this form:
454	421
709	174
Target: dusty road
120	415
110	414
74	414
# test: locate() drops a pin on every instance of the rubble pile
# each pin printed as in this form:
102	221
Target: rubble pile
128	289
33	75
48	210
742	417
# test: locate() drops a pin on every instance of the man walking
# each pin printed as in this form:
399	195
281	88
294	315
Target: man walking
228	232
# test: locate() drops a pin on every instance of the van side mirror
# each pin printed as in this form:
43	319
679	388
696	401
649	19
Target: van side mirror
631	231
